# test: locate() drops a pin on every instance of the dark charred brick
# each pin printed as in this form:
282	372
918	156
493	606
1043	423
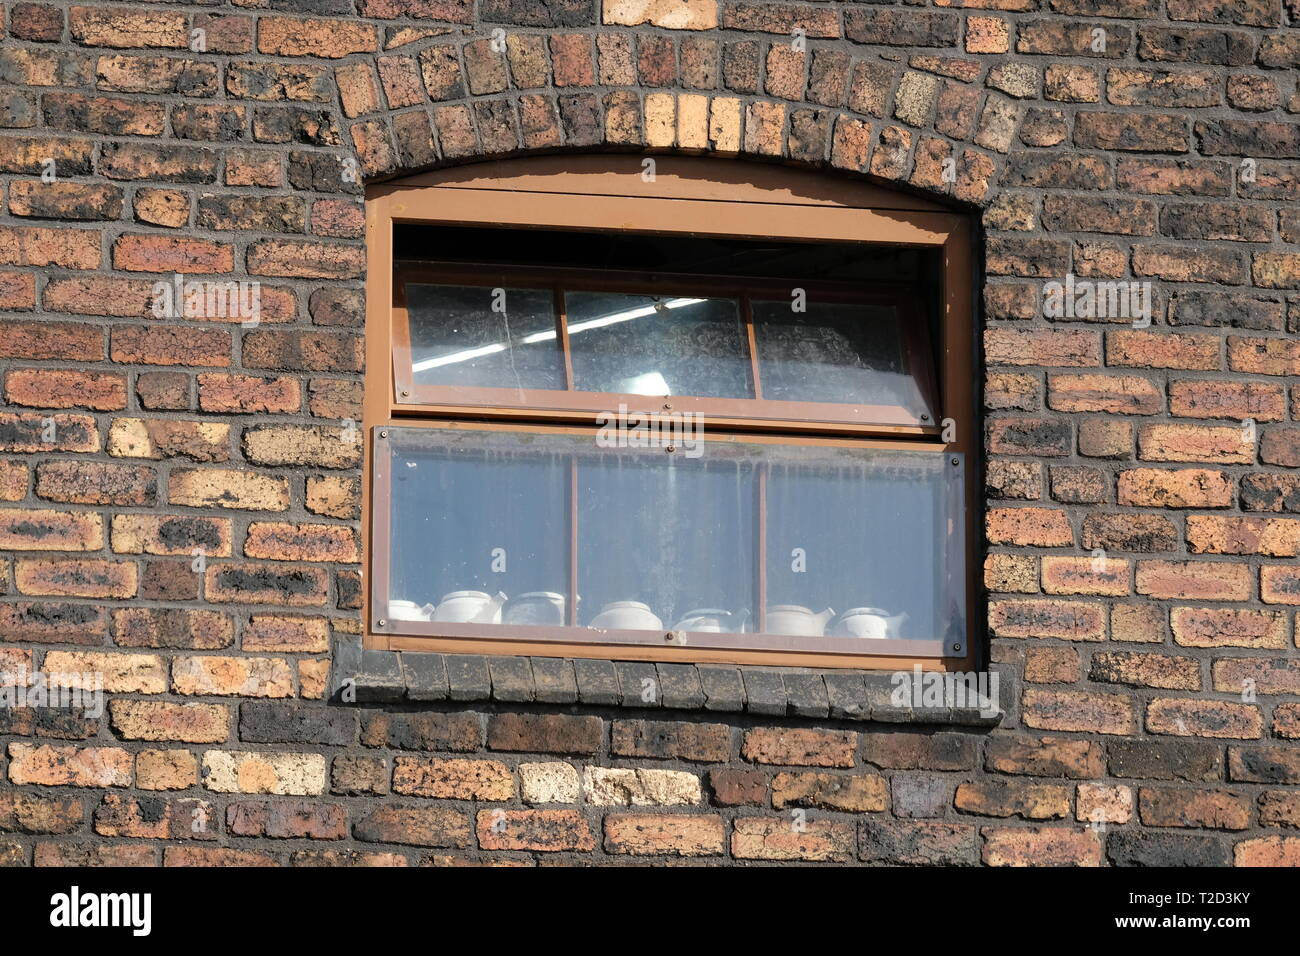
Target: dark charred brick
265	721
545	733
1148	759
1144	848
918	844
454	733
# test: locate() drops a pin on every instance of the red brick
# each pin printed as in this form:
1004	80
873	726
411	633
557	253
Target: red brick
1146	670
42	247
1079	711
1267	851
154	253
1062	348
116	27
1115	394
69	766
301	542
1029	527
1194	580
294	819
1183	717
755	838
664	834
1175	488
1163	350
76	577
1262	356
1279	584
1213	534
800	748
17	291
544	831
1067	620
1228	627
1070	575
44	530
294	36
65	388
45	432
96	483
1013	798
158	345
1213	444
1040	846
1207	809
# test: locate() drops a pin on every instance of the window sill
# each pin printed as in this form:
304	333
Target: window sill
414	677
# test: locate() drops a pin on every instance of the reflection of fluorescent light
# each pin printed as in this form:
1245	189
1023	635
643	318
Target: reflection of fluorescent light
651	383
549	335
455	357
629	314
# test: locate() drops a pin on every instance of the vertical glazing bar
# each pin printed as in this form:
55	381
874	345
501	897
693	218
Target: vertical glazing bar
760	591
571	602
753	345
381	529
955	575
562	335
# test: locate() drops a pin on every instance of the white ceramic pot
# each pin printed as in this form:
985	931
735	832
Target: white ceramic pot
627	616
537	608
408	611
710	620
865	622
463	607
796	620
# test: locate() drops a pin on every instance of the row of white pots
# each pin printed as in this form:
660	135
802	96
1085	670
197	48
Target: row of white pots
546	609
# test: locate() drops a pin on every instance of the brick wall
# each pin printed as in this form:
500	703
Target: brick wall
1143	513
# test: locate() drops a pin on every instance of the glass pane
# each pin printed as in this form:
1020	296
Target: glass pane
479	337
476	518
665	345
864	544
848	353
666	541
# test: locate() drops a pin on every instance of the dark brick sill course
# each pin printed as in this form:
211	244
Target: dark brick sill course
415	677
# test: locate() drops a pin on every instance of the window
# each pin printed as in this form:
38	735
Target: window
696	419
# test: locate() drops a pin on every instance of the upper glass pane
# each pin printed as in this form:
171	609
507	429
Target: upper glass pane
843	352
482	337
658	345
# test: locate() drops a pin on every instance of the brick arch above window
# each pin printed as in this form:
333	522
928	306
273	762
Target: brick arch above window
438	101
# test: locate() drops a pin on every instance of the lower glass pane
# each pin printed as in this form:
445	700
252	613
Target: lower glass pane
826	547
859	547
666	541
477	519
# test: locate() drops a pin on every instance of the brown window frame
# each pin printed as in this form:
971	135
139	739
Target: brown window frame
688	195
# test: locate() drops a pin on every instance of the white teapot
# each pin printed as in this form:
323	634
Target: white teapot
796	620
868	622
470	607
712	620
627	616
408	611
536	608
